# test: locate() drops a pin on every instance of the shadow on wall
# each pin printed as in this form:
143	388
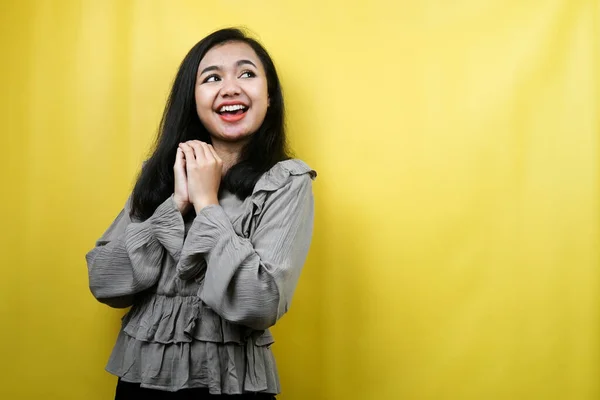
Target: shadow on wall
318	344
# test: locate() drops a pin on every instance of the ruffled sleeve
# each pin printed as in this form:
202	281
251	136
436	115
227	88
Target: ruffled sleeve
250	281
128	258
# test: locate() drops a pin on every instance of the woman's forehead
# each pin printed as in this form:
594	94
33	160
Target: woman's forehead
229	54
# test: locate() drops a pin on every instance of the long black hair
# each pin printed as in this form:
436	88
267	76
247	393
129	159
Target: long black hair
180	123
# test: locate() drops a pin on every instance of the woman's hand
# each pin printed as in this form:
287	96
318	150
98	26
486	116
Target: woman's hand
204	169
181	197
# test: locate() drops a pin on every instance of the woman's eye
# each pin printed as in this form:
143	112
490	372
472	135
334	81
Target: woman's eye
211	78
247	74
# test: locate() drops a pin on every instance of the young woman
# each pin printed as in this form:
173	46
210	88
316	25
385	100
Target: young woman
209	246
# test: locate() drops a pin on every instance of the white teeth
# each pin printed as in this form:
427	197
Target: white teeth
234	107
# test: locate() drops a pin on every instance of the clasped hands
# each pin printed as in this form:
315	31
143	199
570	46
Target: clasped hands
198	170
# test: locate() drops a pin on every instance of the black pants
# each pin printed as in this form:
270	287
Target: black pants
133	391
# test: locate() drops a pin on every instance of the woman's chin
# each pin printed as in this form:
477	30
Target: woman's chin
235	136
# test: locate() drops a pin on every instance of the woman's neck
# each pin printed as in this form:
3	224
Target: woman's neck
229	152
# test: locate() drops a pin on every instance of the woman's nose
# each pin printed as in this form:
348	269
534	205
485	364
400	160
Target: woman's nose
230	87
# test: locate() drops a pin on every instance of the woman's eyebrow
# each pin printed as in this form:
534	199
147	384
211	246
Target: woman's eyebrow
211	68
244	62
217	68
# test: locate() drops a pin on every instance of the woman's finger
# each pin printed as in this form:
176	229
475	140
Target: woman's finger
180	157
214	153
207	154
188	152
197	149
201	148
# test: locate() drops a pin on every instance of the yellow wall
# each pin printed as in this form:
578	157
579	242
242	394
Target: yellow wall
456	246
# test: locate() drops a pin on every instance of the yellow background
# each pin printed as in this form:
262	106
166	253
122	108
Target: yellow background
456	246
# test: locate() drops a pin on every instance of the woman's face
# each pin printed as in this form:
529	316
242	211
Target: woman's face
231	92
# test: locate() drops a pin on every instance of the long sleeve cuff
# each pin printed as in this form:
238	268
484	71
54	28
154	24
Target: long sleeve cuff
206	234
168	227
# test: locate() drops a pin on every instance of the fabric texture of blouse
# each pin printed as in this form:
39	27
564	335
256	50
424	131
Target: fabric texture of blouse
204	289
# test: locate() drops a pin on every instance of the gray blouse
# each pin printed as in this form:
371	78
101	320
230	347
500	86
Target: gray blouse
205	289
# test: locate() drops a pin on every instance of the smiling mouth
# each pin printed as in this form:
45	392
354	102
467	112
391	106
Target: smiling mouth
233	110
232	113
